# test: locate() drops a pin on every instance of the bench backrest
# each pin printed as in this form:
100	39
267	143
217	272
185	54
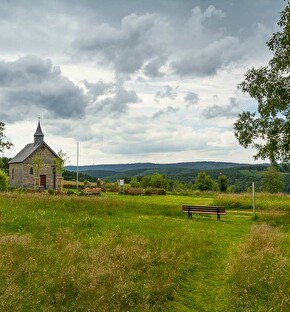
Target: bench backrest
213	209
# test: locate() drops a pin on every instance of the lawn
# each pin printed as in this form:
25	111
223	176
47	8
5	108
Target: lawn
122	253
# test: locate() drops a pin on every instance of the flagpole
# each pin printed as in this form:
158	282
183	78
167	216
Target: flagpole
77	165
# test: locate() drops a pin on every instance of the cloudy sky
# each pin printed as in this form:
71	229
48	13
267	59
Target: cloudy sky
131	80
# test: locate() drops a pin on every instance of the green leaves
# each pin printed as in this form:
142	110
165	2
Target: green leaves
268	130
3	144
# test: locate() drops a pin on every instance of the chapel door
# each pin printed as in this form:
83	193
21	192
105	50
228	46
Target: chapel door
43	181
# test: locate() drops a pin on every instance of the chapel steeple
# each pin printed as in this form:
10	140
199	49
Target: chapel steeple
38	135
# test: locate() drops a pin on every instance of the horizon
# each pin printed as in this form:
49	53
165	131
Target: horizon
132	82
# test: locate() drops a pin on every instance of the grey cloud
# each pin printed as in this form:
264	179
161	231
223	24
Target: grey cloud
167	92
137	41
117	104
166	111
228	111
152	69
97	89
191	98
30	84
207	60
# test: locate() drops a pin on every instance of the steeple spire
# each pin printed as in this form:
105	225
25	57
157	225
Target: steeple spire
38	135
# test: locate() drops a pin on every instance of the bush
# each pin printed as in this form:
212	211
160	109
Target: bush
133	191
70	192
4	183
154	191
112	187
134	183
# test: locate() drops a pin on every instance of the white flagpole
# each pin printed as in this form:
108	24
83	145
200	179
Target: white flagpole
77	165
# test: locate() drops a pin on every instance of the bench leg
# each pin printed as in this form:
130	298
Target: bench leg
189	215
218	217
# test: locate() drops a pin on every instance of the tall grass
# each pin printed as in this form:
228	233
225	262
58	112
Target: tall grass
264	201
61	253
258	273
124	253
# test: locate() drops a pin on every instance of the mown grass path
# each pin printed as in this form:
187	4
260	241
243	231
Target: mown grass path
205	287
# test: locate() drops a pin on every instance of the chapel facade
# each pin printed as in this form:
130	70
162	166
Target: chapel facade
36	166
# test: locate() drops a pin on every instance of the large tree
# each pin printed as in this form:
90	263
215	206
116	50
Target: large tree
3	144
268	130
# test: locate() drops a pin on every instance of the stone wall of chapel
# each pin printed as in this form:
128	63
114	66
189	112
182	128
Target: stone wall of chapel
15	175
23	174
46	168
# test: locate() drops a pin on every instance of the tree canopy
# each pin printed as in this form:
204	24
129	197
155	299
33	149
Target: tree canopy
3	144
204	182
268	129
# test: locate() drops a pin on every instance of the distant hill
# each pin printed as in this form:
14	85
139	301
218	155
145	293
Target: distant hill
201	165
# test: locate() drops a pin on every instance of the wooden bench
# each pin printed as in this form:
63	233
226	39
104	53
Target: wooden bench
215	210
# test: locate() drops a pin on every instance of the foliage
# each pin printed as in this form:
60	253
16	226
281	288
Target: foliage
61	161
4	164
4	183
133	191
134	183
113	187
273	180
223	183
145	181
71	176
156	180
3	144
154	191
204	182
269	131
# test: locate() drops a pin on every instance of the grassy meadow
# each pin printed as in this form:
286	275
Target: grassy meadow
125	253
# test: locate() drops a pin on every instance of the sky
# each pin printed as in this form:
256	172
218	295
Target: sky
131	80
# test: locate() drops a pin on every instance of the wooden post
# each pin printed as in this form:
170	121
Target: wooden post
254	199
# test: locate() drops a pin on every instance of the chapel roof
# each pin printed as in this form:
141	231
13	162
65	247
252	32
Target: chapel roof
24	153
27	151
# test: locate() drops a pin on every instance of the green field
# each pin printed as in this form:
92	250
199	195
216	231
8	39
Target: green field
122	253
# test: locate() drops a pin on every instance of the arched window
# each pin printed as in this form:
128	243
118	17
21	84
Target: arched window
12	174
31	170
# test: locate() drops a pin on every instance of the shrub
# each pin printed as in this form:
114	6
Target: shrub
133	191
112	187
3	181
70	192
154	191
134	183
